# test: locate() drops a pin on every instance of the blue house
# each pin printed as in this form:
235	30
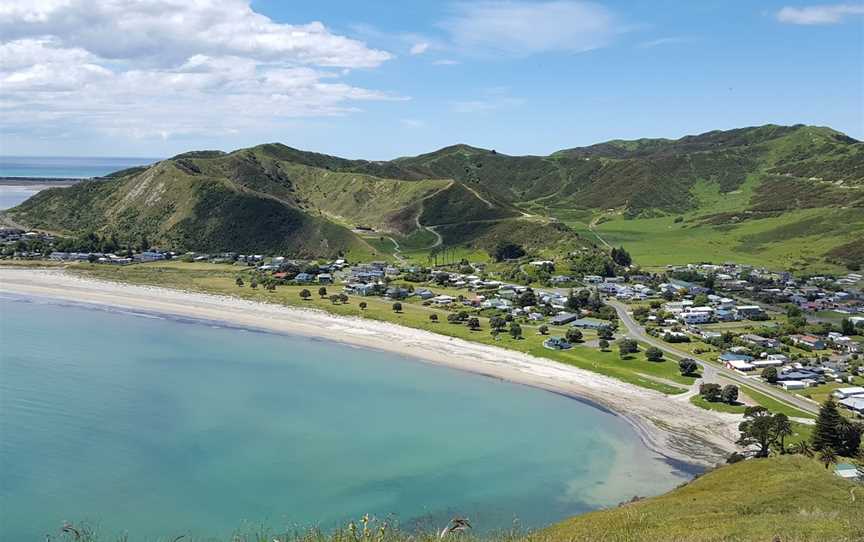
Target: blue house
557	343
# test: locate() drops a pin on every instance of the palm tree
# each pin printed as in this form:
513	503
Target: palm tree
362	305
828	456
782	429
305	294
433	318
803	448
322	291
239	282
397	307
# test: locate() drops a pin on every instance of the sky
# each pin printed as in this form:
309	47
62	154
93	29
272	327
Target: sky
383	79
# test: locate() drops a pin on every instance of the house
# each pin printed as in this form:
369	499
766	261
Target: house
591	323
760	341
564	318
809	341
732	356
793	385
424	293
496	303
843	393
762	363
304	278
725	315
750	311
695	317
443	299
855	404
738	365
325	278
778	357
556	343
363	289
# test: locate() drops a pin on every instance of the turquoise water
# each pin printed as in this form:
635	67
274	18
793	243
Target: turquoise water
163	426
71	167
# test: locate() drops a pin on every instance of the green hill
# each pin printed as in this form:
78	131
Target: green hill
790	196
786	498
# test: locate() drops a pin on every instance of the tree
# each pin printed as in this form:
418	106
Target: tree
605	333
322	291
515	330
621	256
506	250
711	392
827	456
803	448
473	323
730	394
397	307
334	299
527	299
652	353
850	437
343	297
573	335
433	318
543	330
826	433
688	366
846	327
793	311
757	429
770	374
783	429
362	305
627	347
700	300
497	323
239	282
253	284
603	344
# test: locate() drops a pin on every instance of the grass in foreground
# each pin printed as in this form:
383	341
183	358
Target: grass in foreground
787	498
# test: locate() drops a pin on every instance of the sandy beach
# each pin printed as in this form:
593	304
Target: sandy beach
671	426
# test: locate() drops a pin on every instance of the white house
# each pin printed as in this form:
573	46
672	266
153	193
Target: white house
843	393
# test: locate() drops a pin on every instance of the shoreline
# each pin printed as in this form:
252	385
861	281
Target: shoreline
670	427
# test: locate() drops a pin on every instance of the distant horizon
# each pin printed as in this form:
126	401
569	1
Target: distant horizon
360	157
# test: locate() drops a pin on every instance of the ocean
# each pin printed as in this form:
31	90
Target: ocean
161	426
54	167
63	167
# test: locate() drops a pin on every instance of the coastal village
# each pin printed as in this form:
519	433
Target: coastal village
747	326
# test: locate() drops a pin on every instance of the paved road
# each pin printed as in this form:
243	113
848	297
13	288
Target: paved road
710	371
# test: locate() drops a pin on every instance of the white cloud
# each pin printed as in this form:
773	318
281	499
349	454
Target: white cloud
826	14
165	67
521	28
662	41
419	48
446	62
412	123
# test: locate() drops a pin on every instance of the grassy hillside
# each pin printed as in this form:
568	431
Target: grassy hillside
788	498
769	195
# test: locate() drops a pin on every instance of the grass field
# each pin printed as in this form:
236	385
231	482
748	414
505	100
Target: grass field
795	240
220	279
785	498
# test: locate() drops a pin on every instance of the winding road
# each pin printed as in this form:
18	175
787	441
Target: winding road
710	371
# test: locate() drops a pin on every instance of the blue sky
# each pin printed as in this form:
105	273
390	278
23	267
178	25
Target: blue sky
379	80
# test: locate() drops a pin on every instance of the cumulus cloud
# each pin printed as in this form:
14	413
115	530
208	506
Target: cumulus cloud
521	28
165	67
826	14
